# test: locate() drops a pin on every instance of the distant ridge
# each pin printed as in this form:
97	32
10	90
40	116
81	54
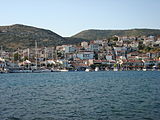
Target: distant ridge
93	34
22	36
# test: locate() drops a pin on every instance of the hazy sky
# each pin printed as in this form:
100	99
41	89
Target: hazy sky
68	17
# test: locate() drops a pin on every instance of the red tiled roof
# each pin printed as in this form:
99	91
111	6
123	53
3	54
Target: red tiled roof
100	61
134	61
135	66
133	52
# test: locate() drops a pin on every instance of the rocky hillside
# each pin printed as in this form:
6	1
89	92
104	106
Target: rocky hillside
101	34
21	36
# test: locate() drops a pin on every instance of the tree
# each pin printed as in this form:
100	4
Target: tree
25	58
17	56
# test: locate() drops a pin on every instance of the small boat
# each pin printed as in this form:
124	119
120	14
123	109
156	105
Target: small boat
115	69
46	70
96	69
87	70
106	69
19	71
27	71
41	70
63	70
144	69
2	72
55	70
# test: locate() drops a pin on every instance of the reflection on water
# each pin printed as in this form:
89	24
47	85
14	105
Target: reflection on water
126	95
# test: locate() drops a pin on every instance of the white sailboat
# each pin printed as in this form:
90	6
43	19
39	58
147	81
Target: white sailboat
115	69
96	69
40	70
88	70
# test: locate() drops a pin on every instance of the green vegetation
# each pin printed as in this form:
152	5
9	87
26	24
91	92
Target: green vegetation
21	36
103	34
145	49
72	40
17	57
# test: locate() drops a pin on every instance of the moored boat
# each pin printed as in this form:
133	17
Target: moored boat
96	69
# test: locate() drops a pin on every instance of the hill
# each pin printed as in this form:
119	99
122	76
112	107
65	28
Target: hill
101	34
72	40
22	36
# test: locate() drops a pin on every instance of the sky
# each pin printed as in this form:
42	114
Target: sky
68	17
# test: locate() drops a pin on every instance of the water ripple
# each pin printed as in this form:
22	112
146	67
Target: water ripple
126	95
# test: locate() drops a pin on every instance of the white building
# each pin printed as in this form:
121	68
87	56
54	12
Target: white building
109	57
85	55
94	47
84	44
70	49
120	51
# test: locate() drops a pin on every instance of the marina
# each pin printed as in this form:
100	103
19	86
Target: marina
80	60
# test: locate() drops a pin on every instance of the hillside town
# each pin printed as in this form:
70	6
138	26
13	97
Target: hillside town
115	53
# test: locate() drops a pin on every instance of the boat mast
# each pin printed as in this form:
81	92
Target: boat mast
1	51
36	52
28	57
45	56
18	56
28	53
23	59
52	53
13	60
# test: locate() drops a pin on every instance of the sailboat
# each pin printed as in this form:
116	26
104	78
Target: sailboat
40	70
96	69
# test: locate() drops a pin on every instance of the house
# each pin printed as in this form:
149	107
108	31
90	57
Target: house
119	43
150	63
94	47
84	55
2	63
149	41
120	51
100	61
81	65
133	64
101	55
4	54
132	54
120	58
70	49
109	57
143	56
61	48
84	44
134	45
153	54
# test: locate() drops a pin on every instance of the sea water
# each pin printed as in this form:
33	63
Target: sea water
124	95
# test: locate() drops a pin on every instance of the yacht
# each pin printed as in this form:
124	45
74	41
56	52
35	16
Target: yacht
115	69
19	70
88	70
96	69
144	69
63	70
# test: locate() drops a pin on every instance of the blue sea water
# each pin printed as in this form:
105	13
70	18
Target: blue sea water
125	95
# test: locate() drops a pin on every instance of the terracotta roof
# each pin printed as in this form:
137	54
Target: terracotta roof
80	64
134	61
100	61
